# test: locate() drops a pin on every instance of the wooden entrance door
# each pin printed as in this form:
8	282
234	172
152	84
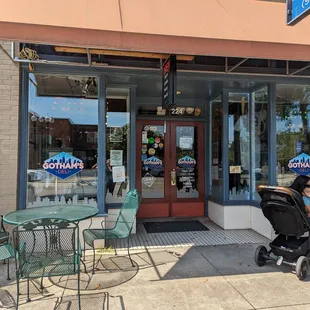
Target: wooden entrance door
170	168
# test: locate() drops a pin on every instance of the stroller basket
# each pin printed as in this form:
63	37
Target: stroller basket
290	247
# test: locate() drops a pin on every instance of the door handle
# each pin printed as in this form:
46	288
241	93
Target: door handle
173	178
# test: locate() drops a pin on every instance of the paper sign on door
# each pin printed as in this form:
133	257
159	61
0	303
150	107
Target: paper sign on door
118	174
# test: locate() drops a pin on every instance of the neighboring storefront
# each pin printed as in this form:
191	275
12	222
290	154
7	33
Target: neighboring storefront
92	125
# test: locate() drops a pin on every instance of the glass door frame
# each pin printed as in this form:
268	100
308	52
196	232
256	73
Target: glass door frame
139	126
170	196
200	159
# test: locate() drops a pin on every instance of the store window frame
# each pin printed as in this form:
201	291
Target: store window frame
101	75
271	112
132	138
217	199
21	197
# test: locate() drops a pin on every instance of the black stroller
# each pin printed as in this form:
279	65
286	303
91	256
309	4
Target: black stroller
286	211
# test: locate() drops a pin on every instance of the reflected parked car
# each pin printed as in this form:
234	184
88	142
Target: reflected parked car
45	185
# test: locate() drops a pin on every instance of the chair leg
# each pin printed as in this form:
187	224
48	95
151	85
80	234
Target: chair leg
28	298
94	258
8	266
17	296
84	250
114	243
79	293
41	285
129	251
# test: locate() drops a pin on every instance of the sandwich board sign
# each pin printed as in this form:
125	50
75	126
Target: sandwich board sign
297	10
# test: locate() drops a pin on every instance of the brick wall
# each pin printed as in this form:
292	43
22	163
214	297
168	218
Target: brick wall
9	102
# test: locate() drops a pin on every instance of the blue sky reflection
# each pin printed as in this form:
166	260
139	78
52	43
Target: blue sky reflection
80	111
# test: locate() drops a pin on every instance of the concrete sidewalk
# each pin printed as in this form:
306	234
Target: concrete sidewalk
208	277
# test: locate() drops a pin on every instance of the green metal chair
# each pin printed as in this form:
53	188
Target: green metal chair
122	228
6	249
46	247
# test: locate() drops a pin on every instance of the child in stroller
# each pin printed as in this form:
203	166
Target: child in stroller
288	215
302	185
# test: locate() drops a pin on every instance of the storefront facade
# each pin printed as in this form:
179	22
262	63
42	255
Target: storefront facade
239	116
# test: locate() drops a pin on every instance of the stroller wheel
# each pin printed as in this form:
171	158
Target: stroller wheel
259	255
302	266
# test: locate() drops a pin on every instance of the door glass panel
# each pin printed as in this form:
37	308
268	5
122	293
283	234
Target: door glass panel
186	162
152	161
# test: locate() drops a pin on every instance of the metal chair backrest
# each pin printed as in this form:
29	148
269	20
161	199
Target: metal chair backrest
2	230
127	214
46	247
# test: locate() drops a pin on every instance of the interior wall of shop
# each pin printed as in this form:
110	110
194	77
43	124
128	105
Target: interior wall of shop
227	214
9	111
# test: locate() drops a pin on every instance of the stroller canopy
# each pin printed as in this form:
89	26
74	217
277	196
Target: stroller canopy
285	210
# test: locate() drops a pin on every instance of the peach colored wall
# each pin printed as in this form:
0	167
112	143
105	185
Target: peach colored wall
246	20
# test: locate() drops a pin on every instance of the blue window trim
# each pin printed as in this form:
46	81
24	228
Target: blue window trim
207	159
272	134
225	151
101	159
21	198
132	151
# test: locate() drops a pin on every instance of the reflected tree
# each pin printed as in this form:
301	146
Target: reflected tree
293	134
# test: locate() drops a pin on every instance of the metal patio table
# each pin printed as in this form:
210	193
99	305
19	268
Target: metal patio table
74	213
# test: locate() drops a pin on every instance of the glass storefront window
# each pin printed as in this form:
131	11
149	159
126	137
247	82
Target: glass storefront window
216	182
259	140
293	128
239	146
62	151
117	148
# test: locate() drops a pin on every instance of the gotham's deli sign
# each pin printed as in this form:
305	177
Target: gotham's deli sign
63	165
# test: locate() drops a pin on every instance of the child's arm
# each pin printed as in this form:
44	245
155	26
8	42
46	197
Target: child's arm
307	204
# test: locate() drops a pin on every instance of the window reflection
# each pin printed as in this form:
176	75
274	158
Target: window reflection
259	140
293	134
117	148
239	146
216	149
63	125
